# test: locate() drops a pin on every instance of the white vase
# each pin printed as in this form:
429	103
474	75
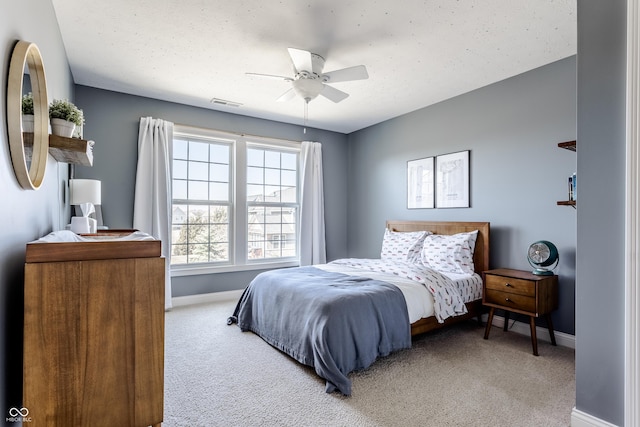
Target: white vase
27	123
62	127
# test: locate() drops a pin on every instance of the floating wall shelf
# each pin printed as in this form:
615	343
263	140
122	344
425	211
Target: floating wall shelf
571	146
71	150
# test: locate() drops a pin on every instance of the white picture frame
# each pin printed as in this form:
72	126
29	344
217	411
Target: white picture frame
420	183
452	178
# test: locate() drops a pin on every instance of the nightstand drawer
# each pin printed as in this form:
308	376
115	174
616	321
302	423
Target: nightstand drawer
510	285
508	300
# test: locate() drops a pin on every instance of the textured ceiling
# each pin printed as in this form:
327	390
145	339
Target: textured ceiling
417	52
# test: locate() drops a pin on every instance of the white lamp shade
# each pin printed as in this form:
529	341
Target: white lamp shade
85	191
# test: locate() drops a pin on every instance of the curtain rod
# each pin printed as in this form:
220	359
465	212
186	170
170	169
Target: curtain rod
237	133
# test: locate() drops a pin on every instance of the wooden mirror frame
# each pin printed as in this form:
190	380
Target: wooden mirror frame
26	53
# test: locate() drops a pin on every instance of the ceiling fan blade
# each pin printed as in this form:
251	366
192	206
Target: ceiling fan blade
333	94
359	72
287	96
271	76
301	59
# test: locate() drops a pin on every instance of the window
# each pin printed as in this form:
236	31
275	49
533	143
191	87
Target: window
235	202
272	197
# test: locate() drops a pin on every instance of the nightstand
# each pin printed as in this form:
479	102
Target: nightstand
520	292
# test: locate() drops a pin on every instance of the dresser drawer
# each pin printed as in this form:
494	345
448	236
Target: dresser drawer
508	300
510	285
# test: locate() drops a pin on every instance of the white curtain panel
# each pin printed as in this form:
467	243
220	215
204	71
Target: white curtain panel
152	203
312	234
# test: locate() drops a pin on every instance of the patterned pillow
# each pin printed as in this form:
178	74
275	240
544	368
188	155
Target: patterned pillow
402	246
450	253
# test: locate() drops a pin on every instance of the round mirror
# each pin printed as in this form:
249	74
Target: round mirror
29	144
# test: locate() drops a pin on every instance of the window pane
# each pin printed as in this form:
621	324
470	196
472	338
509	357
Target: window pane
219	214
179	149
219	191
179	169
219	153
271	194
199	151
255	219
256	250
219	252
178	214
255	192
255	157
289	178
289	194
255	175
289	161
272	176
274	216
219	233
272	159
198	190
197	214
218	172
198	171
179	254
179	189
198	253
198	233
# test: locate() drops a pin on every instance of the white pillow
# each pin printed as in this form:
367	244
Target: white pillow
450	253
402	246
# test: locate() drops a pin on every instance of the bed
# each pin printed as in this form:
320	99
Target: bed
341	316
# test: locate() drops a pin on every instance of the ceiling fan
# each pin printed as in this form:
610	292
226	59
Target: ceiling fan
309	81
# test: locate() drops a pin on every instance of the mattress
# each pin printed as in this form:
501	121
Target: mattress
420	302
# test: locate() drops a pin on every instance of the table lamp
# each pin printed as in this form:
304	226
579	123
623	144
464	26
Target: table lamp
85	193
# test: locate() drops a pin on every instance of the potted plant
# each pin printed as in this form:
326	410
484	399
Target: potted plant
64	116
27	112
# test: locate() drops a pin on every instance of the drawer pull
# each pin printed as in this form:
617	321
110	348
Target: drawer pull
508	300
508	285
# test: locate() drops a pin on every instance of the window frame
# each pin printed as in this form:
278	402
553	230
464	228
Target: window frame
238	211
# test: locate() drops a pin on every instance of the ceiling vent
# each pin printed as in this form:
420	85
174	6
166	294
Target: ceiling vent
219	101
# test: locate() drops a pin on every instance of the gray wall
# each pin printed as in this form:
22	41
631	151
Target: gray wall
25	215
518	173
601	232
112	121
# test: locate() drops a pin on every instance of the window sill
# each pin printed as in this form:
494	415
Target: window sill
195	271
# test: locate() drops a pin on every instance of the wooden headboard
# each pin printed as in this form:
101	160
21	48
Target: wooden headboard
481	252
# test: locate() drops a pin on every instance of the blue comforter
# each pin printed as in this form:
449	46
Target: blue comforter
333	322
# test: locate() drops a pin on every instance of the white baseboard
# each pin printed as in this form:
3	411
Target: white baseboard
562	339
582	419
207	298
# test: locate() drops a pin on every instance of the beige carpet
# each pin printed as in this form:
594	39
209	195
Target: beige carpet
215	375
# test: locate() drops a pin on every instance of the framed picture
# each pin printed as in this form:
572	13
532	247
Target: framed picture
452	177
420	185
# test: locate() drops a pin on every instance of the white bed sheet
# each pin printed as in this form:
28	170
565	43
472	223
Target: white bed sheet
418	298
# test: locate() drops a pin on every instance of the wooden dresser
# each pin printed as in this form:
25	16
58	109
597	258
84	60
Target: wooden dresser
94	333
521	292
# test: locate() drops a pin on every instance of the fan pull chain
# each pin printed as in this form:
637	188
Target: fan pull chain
306	114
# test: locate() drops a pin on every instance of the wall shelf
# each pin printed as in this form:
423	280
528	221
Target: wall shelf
571	146
71	150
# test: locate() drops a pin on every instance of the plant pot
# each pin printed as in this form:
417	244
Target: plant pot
62	127
27	123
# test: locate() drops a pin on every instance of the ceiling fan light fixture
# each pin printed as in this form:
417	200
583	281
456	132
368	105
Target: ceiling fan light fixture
308	89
